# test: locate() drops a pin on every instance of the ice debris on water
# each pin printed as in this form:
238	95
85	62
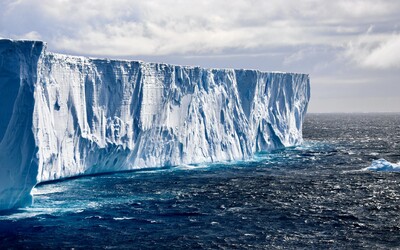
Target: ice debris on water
384	165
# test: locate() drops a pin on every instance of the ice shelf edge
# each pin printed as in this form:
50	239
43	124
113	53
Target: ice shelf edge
69	115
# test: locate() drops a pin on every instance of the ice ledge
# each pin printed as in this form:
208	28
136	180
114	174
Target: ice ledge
63	116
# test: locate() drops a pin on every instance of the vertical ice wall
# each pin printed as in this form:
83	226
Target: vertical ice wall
18	149
83	116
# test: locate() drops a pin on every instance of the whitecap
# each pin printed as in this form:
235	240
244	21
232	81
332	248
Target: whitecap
25	213
48	189
192	166
123	218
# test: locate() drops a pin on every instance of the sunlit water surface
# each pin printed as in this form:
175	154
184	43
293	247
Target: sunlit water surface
317	195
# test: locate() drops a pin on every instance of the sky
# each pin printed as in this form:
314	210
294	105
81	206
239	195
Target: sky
350	49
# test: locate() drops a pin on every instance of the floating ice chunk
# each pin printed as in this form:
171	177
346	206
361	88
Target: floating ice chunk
384	165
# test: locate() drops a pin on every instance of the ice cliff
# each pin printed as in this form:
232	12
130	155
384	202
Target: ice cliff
62	116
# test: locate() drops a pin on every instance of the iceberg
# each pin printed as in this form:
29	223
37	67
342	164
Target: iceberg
384	165
63	116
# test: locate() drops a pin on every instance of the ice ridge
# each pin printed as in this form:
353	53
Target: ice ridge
63	116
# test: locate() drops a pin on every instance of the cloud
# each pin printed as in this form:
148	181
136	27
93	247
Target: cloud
156	27
371	50
295	57
386	55
32	35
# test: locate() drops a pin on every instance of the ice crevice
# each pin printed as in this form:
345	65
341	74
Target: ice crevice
63	116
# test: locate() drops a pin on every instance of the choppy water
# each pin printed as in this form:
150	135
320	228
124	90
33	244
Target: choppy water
317	195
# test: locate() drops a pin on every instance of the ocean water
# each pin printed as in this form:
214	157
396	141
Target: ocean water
317	195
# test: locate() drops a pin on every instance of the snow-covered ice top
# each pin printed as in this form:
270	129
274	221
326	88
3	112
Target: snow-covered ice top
62	116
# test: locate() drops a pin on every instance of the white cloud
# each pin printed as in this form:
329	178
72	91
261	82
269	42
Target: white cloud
161	27
32	35
379	51
297	56
386	55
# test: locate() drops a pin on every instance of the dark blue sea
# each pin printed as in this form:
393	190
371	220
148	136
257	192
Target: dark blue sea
317	195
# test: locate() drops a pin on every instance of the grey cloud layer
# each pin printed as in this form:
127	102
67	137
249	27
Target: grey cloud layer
176	26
